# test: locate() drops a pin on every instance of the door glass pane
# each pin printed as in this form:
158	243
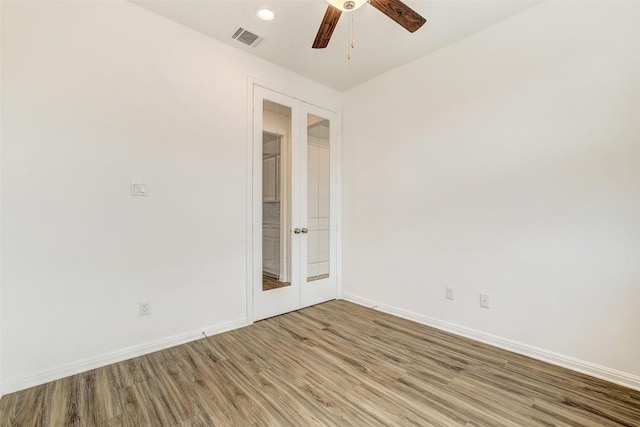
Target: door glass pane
318	132
276	200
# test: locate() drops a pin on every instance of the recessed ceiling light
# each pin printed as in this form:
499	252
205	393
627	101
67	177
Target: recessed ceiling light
265	14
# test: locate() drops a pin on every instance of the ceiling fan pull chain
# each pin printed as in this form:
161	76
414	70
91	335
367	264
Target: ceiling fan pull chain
353	39
352	42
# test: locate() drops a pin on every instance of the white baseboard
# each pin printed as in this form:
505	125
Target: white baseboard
598	371
116	356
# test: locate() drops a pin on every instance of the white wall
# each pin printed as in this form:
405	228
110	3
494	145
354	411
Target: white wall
94	95
507	163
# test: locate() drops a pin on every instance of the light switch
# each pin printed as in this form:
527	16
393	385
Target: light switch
138	188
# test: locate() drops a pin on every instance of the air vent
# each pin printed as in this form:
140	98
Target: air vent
247	37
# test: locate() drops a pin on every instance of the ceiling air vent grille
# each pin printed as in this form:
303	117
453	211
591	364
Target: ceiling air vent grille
247	37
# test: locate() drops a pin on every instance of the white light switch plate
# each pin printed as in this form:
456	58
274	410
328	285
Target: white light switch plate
138	188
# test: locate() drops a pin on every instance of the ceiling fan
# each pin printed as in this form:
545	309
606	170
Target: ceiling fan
394	9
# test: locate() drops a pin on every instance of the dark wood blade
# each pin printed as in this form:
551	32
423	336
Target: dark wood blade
327	26
401	13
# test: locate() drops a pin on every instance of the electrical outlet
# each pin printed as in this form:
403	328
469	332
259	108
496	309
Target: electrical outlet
145	308
449	292
484	300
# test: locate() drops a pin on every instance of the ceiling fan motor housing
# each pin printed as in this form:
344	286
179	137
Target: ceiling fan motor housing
346	5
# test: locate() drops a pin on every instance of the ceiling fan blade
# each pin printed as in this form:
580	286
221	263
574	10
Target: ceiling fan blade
327	26
401	13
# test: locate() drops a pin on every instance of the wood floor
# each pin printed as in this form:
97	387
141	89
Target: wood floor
269	283
335	364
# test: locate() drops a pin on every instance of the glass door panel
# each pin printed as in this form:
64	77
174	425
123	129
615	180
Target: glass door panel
276	190
318	270
318	197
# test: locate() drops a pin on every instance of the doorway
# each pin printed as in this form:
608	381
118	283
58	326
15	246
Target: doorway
294	195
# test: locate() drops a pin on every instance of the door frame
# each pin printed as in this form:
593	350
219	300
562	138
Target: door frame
250	196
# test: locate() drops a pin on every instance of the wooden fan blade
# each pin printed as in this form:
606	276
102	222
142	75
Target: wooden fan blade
327	26
401	13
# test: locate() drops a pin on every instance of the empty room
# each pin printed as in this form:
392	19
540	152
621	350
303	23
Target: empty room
319	213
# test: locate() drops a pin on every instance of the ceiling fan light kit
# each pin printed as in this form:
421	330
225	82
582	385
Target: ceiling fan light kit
402	14
346	5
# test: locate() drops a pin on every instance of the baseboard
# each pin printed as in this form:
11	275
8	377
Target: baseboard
592	369
116	356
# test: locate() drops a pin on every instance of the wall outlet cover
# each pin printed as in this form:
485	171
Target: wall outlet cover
145	308
449	292
485	300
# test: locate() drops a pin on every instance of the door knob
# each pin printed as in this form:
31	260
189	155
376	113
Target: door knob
296	230
305	230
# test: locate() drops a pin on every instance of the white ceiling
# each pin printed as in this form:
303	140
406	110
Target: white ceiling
381	44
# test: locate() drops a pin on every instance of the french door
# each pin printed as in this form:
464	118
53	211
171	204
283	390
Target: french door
294	199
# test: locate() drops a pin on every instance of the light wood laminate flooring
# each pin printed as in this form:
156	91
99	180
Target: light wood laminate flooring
334	364
270	283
